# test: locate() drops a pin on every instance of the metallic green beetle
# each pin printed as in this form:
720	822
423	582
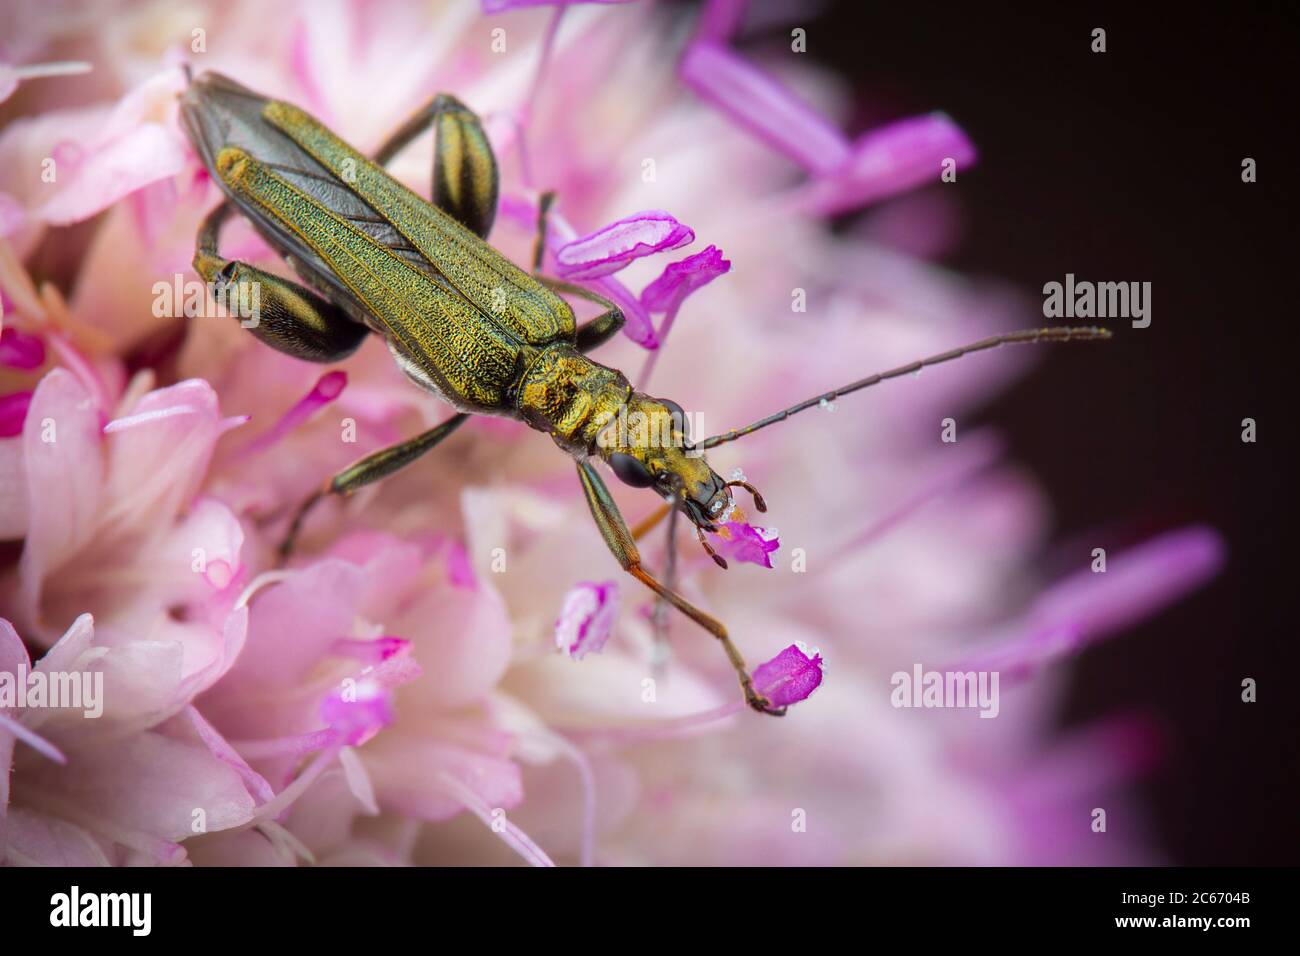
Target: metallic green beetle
460	319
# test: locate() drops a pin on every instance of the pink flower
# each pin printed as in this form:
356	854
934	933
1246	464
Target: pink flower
741	541
680	279
587	618
615	246
789	677
19	350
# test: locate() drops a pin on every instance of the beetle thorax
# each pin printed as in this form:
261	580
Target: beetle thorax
568	396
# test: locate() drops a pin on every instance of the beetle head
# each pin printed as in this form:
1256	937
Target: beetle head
649	446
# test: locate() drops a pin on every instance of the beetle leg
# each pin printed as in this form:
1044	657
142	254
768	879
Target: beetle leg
465	180
659	619
544	203
286	316
378	464
594	332
619	540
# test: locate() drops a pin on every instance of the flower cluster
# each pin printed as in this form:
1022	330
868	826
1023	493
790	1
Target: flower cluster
439	655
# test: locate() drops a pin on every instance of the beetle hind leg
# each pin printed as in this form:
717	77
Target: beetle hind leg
286	316
378	464
465	180
619	540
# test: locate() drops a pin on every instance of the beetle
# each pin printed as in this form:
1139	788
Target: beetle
461	320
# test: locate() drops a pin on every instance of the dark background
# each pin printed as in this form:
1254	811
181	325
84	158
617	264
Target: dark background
1126	166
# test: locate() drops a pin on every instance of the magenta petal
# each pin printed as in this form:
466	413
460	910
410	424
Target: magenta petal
587	618
19	350
327	388
720	19
370	651
891	160
1137	583
764	107
358	712
747	544
13	412
612	248
1091	605
680	279
789	677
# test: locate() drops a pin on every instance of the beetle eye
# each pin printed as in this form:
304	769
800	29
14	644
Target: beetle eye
630	470
679	416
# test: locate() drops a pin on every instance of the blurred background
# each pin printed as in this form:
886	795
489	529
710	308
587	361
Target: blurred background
1127	166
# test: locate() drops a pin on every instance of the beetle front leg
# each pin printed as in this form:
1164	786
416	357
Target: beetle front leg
465	179
619	540
288	317
378	464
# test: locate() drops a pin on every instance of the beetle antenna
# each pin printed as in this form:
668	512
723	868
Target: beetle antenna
759	503
1089	333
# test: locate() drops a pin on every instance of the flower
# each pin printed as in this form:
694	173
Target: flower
744	542
613	247
789	677
587	618
393	695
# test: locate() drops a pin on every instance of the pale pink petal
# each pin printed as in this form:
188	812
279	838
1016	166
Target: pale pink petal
294	624
220	748
17	730
358	779
769	110
34	839
615	246
159	454
587	618
93	178
462	641
406	769
143	789
12	214
61	446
